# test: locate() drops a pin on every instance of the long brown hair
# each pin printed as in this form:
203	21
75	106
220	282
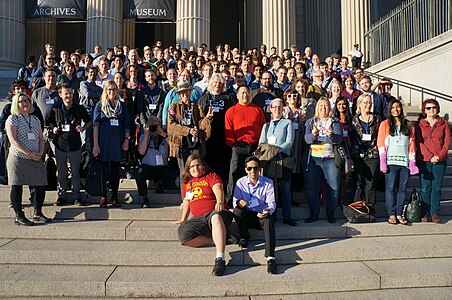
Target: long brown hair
186	176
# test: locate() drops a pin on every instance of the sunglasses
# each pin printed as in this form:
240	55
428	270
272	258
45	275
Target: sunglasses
431	107
292	95
252	168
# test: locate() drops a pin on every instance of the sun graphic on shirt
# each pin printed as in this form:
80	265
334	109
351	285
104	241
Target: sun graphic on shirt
197	193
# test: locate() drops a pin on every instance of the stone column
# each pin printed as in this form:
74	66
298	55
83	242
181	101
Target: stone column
12	47
253	24
103	23
278	18
355	22
128	33
193	22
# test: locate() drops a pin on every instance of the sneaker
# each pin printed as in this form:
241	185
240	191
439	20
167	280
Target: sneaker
220	266
271	266
59	202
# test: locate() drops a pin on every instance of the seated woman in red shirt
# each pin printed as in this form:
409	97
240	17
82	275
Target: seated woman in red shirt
203	195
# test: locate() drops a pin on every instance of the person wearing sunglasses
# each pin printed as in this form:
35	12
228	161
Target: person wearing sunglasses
254	207
432	145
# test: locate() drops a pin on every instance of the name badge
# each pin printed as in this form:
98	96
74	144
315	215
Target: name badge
66	128
216	109
268	101
400	143
31	136
50	101
253	202
152	106
321	138
189	195
345	133
114	122
295	126
272	140
159	160
367	137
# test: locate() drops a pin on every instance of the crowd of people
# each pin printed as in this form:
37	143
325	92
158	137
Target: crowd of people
265	124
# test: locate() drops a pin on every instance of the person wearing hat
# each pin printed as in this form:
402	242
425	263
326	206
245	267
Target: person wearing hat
188	127
357	56
385	86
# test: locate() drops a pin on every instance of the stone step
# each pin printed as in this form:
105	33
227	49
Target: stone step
165	231
161	212
128	282
145	253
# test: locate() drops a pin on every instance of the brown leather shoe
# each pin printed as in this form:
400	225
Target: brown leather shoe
426	218
436	219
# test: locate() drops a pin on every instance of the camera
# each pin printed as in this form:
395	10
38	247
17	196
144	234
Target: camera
153	128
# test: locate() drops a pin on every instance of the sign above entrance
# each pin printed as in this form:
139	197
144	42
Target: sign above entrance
150	9
59	9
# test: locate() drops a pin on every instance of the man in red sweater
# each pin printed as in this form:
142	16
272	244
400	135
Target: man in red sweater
243	125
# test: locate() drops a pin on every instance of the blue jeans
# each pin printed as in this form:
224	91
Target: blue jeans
431	183
396	180
322	168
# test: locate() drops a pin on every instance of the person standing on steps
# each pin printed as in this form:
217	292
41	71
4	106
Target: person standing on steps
24	163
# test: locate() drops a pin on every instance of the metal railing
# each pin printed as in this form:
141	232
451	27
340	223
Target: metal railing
410	93
408	25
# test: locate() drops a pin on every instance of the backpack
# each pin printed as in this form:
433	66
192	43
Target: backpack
358	212
94	185
51	172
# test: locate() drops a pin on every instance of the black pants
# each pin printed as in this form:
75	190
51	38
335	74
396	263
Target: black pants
240	151
157	173
367	172
16	197
110	171
248	219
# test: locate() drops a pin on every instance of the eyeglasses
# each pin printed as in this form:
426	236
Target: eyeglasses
23	101
431	107
277	107
252	168
51	58
292	95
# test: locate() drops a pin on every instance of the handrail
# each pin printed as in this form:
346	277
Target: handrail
424	91
408	25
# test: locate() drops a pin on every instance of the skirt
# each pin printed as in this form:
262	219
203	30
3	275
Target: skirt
25	171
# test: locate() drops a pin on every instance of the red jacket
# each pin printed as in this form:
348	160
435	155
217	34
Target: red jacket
243	124
432	141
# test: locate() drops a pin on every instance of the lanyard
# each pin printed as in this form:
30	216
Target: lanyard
28	121
252	190
65	114
275	124
191	183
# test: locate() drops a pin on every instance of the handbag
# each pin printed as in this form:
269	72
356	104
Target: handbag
358	212
412	208
94	185
342	158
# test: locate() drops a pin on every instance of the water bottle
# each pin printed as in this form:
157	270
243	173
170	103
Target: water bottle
194	139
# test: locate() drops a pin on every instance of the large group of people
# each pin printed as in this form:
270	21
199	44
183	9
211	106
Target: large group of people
267	125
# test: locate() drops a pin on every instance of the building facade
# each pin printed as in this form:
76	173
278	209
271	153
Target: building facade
326	25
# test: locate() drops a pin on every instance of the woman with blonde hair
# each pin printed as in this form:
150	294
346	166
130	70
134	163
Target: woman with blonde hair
322	133
111	136
24	163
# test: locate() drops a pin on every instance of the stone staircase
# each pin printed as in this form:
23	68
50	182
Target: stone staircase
91	252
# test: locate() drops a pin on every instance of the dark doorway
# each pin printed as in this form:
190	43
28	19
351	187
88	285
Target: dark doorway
70	36
146	34
226	23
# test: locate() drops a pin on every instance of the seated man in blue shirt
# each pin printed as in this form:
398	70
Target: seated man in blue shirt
154	165
254	206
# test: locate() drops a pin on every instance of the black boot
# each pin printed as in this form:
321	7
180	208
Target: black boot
39	201
312	218
330	216
22	220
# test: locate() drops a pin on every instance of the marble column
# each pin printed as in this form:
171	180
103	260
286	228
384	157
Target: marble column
278	20
12	47
193	22
103	23
355	22
253	23
128	33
